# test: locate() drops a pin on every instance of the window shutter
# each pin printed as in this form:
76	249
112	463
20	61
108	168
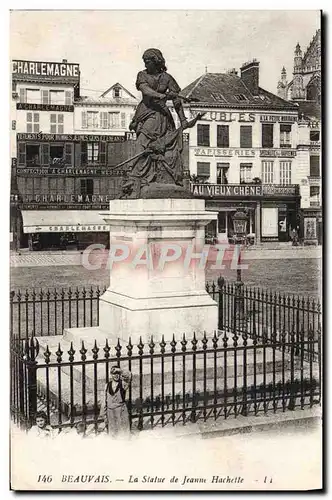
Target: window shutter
222	136
68	154
267	135
45	154
77	147
314	166
84	153
123	120
21	153
23	95
45	97
203	169
203	135
84	119
68	98
102	152
245	136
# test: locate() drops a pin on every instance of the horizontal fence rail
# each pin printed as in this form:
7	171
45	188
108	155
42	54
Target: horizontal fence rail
179	381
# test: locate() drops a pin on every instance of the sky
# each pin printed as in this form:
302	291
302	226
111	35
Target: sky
109	45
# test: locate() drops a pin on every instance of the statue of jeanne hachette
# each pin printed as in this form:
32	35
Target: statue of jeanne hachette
157	169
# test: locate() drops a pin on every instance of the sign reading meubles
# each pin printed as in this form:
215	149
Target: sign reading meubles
40	68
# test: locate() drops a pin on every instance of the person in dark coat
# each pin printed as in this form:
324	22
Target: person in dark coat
113	408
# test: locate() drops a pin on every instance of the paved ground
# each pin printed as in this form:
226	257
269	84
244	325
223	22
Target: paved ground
298	272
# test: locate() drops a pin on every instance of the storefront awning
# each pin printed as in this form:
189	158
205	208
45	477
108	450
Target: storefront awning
66	221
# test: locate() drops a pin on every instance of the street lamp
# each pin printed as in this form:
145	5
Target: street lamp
240	220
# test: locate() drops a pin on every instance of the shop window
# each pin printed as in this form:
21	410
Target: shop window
57	154
86	187
32	154
203	135
245	173
314	166
245	136
203	170
285	172
56	123
33	123
222	173
93	152
314	135
33	96
267	172
57	97
285	135
222	136
267	135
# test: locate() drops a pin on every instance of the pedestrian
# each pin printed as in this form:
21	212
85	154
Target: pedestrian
42	428
113	408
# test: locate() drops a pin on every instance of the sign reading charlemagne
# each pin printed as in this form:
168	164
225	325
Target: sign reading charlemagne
51	69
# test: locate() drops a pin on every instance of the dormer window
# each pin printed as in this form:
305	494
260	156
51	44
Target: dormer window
217	96
241	97
116	92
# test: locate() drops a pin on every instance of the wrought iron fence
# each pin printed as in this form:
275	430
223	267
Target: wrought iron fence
266	356
178	381
48	312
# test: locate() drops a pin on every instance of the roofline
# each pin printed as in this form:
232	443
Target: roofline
123	88
98	103
225	106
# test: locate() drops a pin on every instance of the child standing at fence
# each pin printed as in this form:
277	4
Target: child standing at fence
113	408
42	429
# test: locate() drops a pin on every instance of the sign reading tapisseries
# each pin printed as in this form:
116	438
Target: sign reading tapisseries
39	68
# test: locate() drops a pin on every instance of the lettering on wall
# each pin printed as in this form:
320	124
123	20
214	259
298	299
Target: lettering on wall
39	68
235	116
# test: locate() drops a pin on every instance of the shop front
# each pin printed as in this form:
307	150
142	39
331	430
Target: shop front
272	210
63	229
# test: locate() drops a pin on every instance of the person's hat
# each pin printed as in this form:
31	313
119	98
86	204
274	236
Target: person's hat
115	369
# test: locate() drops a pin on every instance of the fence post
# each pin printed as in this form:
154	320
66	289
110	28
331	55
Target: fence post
32	350
221	283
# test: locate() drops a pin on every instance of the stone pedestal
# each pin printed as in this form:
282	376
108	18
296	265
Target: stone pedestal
147	294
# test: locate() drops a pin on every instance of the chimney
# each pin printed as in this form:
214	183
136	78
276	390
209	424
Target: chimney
250	75
64	60
232	71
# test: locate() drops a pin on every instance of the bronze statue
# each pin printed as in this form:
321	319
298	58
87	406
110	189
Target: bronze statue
157	169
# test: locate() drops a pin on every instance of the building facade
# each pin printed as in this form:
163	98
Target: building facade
305	90
64	150
243	152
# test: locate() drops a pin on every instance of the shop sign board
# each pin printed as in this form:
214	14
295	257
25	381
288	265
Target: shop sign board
70	137
245	153
68	171
243	190
248	117
44	107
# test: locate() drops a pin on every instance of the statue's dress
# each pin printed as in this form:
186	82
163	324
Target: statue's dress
154	126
